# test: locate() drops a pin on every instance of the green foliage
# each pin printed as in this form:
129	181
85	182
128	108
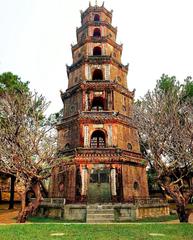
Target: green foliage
11	82
187	89
169	85
166	83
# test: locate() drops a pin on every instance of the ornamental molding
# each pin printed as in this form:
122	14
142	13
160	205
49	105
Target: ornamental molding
99	85
97	24
105	117
99	60
90	39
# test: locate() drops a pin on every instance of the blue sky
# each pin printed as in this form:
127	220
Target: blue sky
157	37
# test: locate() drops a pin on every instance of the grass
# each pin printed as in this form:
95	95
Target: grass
140	231
49	220
159	219
55	220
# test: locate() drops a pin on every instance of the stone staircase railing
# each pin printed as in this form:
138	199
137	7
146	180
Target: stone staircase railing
52	202
146	201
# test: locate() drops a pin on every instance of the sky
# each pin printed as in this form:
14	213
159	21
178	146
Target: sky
36	38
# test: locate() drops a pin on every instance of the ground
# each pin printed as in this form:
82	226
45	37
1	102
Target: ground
9	216
53	230
139	231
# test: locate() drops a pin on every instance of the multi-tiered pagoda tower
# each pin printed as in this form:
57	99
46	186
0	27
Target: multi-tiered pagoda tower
97	139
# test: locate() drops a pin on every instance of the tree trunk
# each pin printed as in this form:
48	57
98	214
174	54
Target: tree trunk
44	190
181	202
12	189
32	206
183	214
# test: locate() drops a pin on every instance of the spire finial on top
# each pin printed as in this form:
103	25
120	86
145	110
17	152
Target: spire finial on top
96	2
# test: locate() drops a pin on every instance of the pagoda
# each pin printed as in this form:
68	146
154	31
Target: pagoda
98	143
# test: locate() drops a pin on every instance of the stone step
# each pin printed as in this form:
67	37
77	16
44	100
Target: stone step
100	213
100	216
103	211
104	208
100	207
100	221
124	219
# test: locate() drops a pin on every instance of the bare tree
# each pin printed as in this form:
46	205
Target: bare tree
27	143
165	121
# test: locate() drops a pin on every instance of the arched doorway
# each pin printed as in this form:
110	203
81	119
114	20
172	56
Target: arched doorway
97	74
98	139
99	185
97	51
97	104
97	32
96	18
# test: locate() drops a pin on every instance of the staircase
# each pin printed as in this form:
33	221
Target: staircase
97	213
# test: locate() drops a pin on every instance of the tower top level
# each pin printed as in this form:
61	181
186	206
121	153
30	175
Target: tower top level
94	9
97	55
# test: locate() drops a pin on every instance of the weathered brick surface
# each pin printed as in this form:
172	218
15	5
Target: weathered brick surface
132	174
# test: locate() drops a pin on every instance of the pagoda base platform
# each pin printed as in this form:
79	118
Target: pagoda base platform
103	213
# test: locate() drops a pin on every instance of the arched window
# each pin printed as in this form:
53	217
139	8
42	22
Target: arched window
97	104
136	185
96	18
97	32
97	74
129	146
97	51
97	139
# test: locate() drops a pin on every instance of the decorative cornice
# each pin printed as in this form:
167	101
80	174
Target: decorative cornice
97	118
99	23
97	40
97	85
97	60
105	84
70	91
104	155
67	120
105	117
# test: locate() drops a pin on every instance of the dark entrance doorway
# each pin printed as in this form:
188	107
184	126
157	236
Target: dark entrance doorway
97	104
97	74
99	186
97	51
